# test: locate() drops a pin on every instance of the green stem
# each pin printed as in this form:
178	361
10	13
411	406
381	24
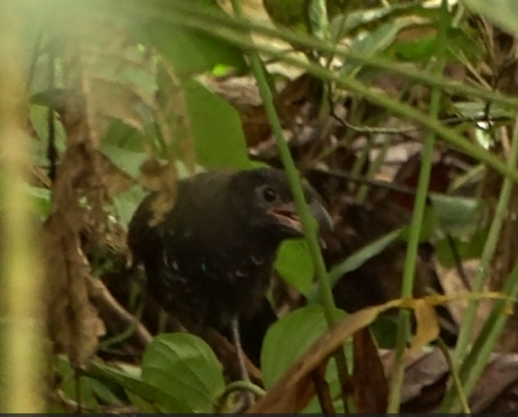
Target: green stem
486	340
308	223
487	255
417	220
243	386
461	395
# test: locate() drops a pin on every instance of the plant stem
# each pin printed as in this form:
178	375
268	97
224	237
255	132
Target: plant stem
308	224
396	381
476	360
22	328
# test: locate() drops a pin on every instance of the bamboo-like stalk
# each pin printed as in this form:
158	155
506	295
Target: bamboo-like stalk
417	220
20	329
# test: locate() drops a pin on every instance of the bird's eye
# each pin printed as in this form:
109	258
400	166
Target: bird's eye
269	195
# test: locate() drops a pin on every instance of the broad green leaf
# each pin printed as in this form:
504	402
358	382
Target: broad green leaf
160	396
103	392
129	161
216	129
375	42
123	136
185	366
288	13
69	386
384	329
415	50
474	110
288	339
191	52
143	405
422	47
39	120
458	216
295	266
42	202
503	12
342	24
466	247
127	202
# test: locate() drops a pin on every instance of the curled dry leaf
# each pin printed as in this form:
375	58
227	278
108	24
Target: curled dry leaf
74	325
295	388
369	383
73	322
322	391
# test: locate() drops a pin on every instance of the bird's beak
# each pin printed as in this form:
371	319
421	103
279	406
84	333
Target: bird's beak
288	216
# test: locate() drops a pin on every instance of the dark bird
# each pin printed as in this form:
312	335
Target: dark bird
211	257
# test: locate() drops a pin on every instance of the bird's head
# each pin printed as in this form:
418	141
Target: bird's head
264	199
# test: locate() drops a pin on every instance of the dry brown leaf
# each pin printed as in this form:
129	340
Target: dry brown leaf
369	383
74	324
322	390
295	388
73	321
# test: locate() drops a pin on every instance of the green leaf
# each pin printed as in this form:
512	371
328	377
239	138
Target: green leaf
216	129
129	161
474	110
186	366
161	396
467	248
124	136
288	340
39	120
127	202
384	330
69	386
376	41
288	13
191	52
42	200
295	266
342	24
503	12
458	216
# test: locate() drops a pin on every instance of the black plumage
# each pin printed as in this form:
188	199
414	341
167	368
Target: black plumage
211	256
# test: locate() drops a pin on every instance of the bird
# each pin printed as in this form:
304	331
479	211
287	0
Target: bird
211	256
